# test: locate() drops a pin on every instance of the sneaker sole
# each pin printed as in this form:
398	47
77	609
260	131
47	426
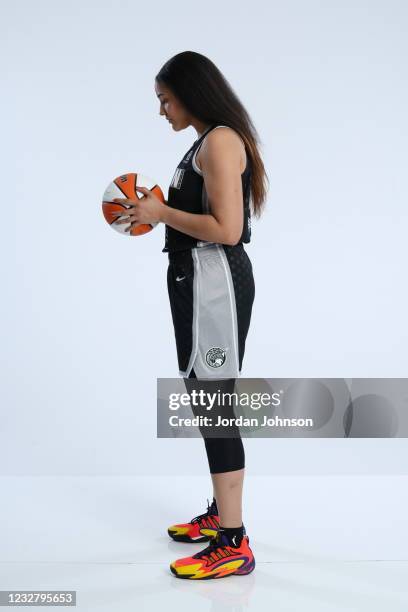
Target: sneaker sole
249	568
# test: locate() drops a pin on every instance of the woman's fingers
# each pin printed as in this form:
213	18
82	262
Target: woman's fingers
123	217
143	190
122	221
124	201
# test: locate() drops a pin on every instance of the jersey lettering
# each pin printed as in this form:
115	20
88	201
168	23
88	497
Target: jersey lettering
177	179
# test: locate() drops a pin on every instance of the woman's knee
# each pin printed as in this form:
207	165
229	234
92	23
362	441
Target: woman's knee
225	454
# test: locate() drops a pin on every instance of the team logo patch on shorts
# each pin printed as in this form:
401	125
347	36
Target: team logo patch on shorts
215	357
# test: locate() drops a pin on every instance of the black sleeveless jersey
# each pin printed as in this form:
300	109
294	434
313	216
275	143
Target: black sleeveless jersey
187	192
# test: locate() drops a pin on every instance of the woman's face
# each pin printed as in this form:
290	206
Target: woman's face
171	108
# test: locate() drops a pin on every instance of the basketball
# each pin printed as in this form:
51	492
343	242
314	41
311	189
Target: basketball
124	187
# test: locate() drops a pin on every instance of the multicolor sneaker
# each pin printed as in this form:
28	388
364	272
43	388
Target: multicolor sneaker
200	529
217	560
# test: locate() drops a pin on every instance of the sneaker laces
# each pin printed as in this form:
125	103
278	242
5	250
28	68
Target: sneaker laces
198	518
214	545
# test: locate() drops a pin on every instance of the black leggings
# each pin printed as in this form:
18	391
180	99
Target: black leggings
224	454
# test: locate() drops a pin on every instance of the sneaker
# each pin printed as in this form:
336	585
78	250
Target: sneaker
217	560
200	529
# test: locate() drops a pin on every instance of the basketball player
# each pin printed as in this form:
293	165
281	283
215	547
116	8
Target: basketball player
210	280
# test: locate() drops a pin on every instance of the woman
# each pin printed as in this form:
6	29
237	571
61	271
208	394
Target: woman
210	280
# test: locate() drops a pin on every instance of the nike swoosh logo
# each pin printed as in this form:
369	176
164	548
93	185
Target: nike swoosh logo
233	541
179	278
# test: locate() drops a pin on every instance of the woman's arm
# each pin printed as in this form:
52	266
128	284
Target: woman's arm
220	158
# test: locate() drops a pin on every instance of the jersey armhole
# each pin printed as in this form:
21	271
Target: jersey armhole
194	162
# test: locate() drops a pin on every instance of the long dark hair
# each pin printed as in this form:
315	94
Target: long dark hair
205	93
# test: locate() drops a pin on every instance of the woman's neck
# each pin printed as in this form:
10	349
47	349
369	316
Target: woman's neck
201	130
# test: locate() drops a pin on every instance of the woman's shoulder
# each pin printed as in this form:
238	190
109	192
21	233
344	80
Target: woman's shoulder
224	132
222	136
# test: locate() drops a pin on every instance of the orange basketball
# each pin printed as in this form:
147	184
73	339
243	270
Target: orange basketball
124	187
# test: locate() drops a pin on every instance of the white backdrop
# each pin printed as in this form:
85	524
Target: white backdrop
89	327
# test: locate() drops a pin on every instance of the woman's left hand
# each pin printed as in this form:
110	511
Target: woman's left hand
146	210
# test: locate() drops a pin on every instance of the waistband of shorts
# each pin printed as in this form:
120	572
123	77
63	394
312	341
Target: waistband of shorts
186	254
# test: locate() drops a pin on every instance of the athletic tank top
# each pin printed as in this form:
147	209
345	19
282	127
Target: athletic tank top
187	192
